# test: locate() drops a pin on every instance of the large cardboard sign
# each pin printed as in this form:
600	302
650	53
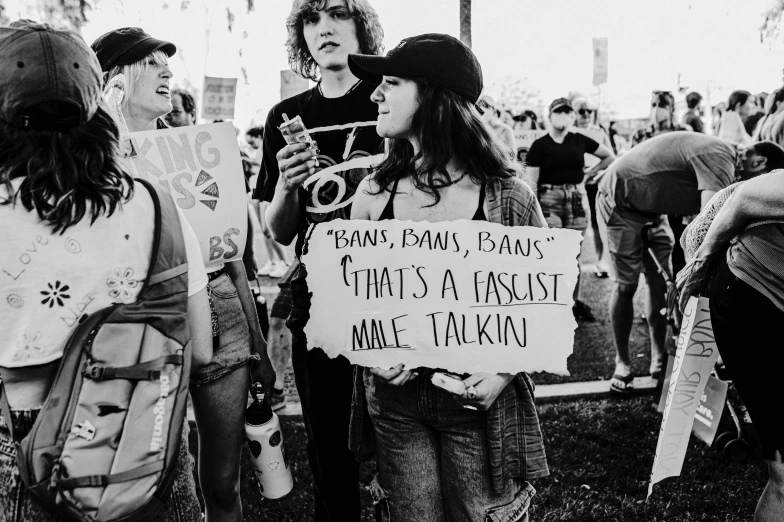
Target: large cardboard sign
200	166
220	95
466	296
694	360
524	138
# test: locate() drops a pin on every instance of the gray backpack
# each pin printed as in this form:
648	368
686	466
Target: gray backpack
104	446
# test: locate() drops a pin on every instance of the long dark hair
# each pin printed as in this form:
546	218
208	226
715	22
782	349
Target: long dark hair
447	126
66	174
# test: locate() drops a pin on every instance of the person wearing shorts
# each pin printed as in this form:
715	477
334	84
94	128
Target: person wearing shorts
556	165
675	173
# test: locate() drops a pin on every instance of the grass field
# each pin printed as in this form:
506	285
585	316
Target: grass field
600	454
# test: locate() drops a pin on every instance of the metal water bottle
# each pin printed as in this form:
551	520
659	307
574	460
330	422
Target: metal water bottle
265	441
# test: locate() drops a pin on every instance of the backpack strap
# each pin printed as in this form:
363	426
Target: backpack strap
148	371
168	258
6	409
94	481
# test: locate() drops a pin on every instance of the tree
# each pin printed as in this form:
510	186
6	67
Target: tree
771	22
60	13
516	94
465	22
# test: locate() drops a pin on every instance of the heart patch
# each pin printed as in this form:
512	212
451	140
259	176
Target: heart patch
255	448
273	465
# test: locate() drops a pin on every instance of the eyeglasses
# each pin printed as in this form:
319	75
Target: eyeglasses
585	112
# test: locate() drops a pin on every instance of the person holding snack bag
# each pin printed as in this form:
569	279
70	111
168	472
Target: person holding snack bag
339	116
450	448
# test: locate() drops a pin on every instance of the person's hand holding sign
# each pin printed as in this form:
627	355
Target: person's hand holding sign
397	375
482	389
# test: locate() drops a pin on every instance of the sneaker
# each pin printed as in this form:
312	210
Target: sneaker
277	400
582	311
266	269
280	270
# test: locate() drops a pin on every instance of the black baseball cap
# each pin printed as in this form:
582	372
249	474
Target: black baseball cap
437	57
561	103
128	45
43	65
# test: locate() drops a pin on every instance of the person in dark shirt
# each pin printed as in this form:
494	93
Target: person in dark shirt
676	173
306	184
555	170
692	116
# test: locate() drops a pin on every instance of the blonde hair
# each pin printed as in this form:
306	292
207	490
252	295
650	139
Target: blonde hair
134	71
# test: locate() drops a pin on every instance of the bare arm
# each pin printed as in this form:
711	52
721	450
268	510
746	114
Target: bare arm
705	197
262	371
532	177
296	165
606	156
201	329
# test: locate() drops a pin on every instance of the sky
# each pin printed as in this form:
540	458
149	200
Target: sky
713	46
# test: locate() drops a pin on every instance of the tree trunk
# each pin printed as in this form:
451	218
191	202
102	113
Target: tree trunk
465	22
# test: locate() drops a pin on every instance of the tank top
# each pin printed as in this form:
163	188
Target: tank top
389	212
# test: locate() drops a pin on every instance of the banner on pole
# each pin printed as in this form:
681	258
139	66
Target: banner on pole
600	61
292	84
467	296
696	354
200	167
220	95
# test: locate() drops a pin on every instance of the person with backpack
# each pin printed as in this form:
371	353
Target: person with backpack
79	238
220	389
442	455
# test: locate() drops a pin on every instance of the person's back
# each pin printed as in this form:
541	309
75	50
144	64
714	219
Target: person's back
664	175
77	236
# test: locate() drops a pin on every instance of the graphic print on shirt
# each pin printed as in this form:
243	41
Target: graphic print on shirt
55	294
331	189
122	286
28	346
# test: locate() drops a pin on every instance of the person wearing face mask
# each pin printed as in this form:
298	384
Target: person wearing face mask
584	125
662	118
556	169
676	173
219	389
444	456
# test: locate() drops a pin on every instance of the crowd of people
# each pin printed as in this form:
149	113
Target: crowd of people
440	455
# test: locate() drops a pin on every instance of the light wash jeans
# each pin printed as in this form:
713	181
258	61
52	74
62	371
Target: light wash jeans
433	457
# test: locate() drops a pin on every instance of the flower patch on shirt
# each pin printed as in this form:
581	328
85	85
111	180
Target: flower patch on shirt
122	285
55	294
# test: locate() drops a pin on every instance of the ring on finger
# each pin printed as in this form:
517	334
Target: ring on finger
471	393
469	407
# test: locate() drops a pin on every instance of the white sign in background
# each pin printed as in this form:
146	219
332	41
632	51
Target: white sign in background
694	359
466	296
200	167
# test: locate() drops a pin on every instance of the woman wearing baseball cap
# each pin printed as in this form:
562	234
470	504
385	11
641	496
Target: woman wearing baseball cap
77	236
470	460
220	389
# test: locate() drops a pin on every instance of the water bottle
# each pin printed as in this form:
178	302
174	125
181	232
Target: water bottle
265	441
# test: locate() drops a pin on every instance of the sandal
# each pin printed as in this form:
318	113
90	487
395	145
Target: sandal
622	384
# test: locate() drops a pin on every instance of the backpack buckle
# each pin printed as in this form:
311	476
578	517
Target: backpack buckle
94	371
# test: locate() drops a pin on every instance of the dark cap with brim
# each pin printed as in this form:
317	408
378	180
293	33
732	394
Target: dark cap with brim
50	78
127	46
437	57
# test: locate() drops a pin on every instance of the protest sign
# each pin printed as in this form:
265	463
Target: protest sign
220	95
524	138
200	167
696	354
466	296
600	61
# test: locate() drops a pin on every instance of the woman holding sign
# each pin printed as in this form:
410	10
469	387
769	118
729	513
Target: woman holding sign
220	389
465	453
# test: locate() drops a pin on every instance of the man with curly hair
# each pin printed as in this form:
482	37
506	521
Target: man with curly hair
341	119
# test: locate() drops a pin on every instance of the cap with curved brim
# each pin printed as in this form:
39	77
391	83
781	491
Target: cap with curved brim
370	68
143	49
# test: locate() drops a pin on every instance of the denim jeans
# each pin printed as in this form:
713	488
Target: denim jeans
16	504
433	457
233	347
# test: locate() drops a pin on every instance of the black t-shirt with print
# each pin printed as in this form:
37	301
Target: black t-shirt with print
344	129
560	163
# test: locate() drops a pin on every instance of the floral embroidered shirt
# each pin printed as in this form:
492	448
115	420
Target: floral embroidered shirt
49	282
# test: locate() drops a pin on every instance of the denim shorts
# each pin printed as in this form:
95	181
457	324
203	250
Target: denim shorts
231	348
17	505
432	456
562	206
